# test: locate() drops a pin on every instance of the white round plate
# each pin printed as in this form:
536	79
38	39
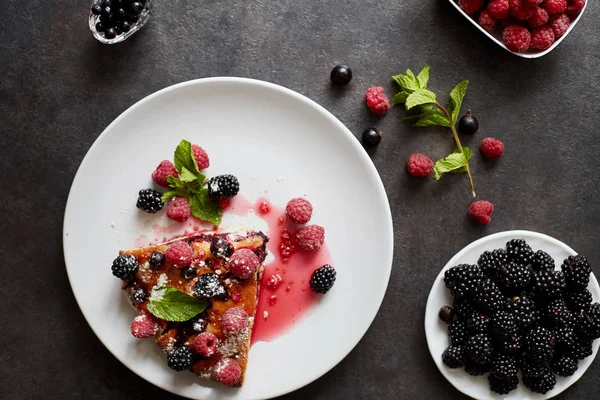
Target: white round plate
436	331
273	140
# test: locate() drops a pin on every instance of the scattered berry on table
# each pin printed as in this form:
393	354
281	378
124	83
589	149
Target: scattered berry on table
578	300
223	187
521	10
143	326
564	366
481	211
419	165
124	267
560	23
446	314
470	6
478	323
539	18
549	284
164	169
499	9
157	259
179	254
542	384
205	344
503	385
577	272
468	124
574	7
377	100
454	356
226	371
341	75
516	38
457	332
219	247
299	210
323	279
486	21
178	209
310	238
504	325
542	38
555	6
201	157
188	272
150	201
209	286
243	263
371	137
180	359
490	261
478	348
519	251
492	148
234	321
542	261
138	295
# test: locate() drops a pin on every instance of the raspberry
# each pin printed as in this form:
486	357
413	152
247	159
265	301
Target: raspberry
492	148
227	371
200	156
179	254
542	38
164	169
264	207
244	263
486	21
234	321
575	6
499	9
419	165
539	18
287	246
560	23
520	9
310	238
236	296
273	300
178	209
533	2
299	210
470	6
376	100
481	211
274	281
143	326
555	6
205	344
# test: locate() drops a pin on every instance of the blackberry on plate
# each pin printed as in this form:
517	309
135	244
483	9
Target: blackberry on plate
446	314
157	259
180	359
479	348
475	369
582	348
549	284
139	295
488	298
457	332
579	300
503	385
124	267
150	201
223	187
504	367
490	261
454	356
519	251
542	261
531	369
462	279
525	312
588	322
513	277
577	272
341	75
477	323
539	344
510	346
504	325
542	384
209	286
565	338
556	314
323	279
564	366
219	247
463	308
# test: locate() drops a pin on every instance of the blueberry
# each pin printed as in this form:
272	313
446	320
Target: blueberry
468	124
157	259
136	7
139	295
188	273
220	248
371	137
125	26
341	75
96	9
100	27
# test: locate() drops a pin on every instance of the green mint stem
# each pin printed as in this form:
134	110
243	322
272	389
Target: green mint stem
458	144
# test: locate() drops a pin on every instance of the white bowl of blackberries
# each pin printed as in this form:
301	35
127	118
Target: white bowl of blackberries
113	21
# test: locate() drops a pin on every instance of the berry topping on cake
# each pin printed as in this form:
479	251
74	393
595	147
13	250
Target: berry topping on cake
157	259
234	321
323	279
139	295
209	286
188	272
227	371
164	169
180	359
310	238
178	209
223	187
179	254
143	326
219	247
299	210
124	267
205	344
150	201
244	263
201	157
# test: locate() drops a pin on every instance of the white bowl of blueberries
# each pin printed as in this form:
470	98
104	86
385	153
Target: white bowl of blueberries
113	21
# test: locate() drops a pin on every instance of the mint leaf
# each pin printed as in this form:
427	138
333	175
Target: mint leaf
455	162
185	175
174	305
179	188
456	98
423	77
400	98
172	193
429	118
204	208
420	97
184	157
408	82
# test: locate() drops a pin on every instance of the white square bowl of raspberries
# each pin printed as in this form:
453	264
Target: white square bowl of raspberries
527	28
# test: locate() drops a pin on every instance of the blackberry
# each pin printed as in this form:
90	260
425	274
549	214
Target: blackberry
462	279
463	309
180	359
564	366
582	348
139	295
475	369
157	259
341	75
223	187
504	367
188	272
219	247
491	261
149	200
588	322
510	346
542	261
539	345
488	298
556	314
549	284
477	323
457	332
209	286
513	277
479	348
519	251
524	311
446	314
531	369
504	325
199	323
579	300
542	384
323	279
125	267
503	386
577	272
565	338
454	357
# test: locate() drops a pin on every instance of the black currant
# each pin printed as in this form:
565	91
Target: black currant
110	33
468	124
100	27
96	9
341	75
371	137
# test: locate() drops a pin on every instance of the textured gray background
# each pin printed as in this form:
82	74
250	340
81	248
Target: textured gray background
59	89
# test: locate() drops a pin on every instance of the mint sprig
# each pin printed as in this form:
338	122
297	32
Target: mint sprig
414	93
174	305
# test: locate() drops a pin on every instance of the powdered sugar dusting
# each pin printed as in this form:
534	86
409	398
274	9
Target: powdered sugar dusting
231	344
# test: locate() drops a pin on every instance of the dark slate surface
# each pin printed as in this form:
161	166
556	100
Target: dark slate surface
59	89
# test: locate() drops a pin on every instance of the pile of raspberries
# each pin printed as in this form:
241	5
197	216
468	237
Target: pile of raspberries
525	24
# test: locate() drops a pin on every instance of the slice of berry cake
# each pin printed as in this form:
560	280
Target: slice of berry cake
197	295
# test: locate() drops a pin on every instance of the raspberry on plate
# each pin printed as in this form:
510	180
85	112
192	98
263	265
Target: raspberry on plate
200	156
244	263
178	209
234	321
555	6
470	6
521	10
575	6
486	21
560	23
299	210
164	169
377	100
205	344
539	18
499	9
419	165
179	254
481	211
310	238
533	2
492	148
516	38
226	371
542	38
143	326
